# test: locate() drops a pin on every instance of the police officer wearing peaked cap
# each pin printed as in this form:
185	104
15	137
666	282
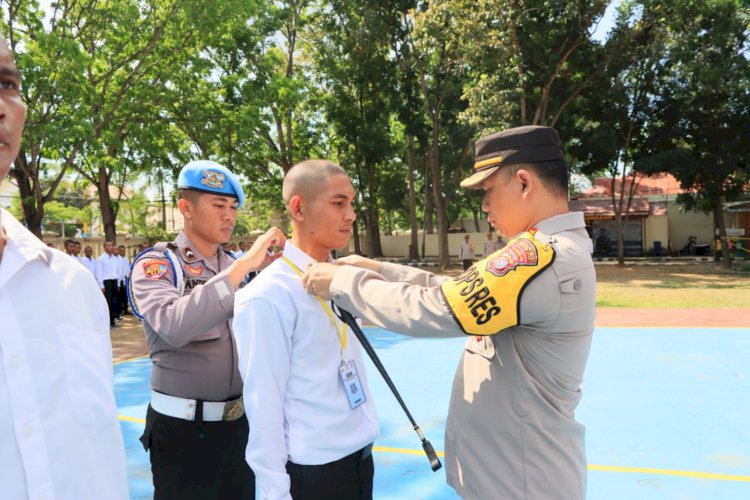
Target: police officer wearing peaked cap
196	429
527	311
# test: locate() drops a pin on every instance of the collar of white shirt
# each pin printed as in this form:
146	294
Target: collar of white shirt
21	248
298	257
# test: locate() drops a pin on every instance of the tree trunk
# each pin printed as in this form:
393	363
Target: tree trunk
105	205
620	229
355	235
427	200
414	246
372	223
33	211
442	216
163	205
718	213
372	216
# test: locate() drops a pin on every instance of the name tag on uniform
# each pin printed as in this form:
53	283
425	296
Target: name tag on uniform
352	385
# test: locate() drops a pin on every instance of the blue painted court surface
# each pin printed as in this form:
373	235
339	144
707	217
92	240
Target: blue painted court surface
667	413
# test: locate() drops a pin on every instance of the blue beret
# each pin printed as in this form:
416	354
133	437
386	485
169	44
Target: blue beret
210	177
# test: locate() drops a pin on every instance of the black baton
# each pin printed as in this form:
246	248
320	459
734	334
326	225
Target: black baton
347	318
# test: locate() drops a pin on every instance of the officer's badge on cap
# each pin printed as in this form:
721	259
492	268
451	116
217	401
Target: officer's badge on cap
529	144
210	177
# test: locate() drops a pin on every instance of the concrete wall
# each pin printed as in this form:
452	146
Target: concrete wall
682	225
655	228
398	246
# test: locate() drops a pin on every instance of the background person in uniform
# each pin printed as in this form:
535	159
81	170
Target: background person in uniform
58	419
490	245
243	248
69	246
466	253
511	431
122	293
196	429
499	243
109	271
308	439
90	263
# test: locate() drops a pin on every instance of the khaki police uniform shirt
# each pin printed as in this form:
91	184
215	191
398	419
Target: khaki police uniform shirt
188	335
511	431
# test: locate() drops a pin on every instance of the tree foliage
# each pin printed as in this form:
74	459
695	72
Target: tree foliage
396	91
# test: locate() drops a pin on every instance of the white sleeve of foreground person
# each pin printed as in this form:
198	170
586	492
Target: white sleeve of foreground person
57	407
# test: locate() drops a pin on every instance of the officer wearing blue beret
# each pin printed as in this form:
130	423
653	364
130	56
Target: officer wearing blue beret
196	429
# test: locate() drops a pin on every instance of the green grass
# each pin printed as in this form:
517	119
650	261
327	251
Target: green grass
675	286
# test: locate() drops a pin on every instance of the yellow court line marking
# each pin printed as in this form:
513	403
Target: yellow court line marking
135	420
670	472
130	359
403	451
593	467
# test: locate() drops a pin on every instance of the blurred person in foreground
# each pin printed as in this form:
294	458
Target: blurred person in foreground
58	419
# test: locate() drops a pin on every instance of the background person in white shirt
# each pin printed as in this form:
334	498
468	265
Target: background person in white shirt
109	269
90	263
122	293
58	419
466	253
489	246
308	439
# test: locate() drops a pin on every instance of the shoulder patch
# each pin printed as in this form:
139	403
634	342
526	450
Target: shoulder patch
155	268
486	298
519	252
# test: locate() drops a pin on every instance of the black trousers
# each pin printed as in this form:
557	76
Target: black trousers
122	296
467	263
349	478
113	300
198	460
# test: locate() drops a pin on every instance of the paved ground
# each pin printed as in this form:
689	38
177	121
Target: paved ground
128	341
662	410
640	442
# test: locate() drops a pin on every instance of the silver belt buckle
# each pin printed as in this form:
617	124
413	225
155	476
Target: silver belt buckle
233	409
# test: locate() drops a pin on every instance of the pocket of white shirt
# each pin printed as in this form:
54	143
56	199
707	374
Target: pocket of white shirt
88	377
485	347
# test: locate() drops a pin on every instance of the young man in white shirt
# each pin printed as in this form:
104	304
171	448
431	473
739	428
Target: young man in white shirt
58	417
489	246
91	264
122	294
311	433
466	253
109	271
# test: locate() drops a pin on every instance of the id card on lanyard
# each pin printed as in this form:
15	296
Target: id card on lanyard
347	369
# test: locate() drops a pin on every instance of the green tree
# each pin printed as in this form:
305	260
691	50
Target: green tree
441	71
704	110
354	56
48	61
616	115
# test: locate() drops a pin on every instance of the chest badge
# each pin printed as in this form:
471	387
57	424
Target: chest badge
195	269
189	254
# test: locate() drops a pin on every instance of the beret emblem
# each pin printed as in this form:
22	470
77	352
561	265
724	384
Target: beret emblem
213	179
